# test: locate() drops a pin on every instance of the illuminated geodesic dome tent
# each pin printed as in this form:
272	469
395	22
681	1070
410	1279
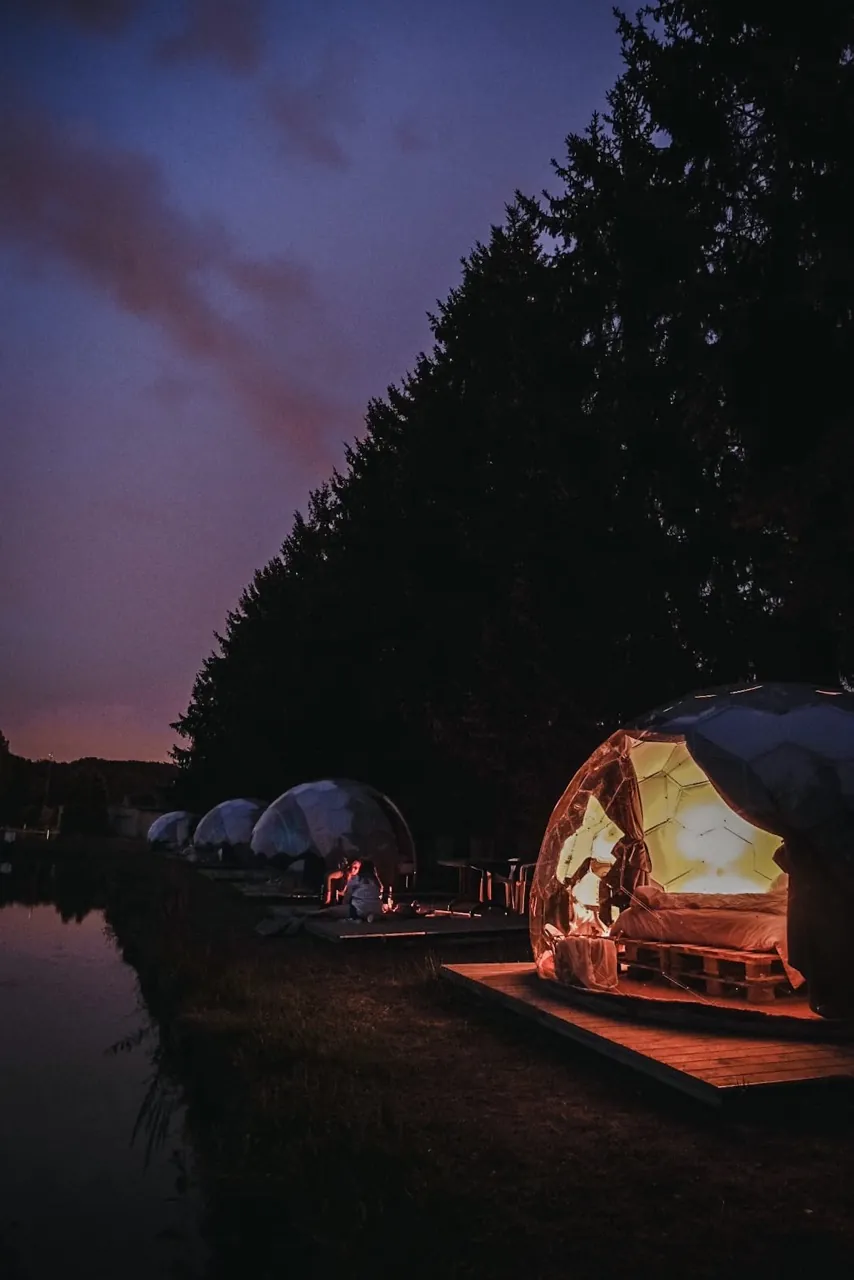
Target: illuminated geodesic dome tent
690	806
228	824
172	830
319	827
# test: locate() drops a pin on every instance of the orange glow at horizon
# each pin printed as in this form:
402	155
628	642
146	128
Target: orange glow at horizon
71	733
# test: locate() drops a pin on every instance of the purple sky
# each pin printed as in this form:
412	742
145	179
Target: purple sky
221	225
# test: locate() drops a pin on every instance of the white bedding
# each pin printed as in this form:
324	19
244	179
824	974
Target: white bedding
774	902
732	922
738	930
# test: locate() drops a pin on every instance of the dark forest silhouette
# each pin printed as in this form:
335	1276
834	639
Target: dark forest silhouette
622	471
31	791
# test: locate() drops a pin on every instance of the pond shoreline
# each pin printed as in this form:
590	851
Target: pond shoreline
353	1112
95	1163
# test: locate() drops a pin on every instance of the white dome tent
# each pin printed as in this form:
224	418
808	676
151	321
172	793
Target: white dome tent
318	827
172	830
724	820
229	824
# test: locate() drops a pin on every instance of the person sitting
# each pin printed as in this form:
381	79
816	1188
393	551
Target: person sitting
337	881
364	893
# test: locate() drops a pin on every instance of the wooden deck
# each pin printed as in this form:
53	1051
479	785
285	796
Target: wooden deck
703	1063
438	926
233	875
273	893
257	884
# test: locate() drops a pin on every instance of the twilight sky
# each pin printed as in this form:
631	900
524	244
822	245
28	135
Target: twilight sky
222	223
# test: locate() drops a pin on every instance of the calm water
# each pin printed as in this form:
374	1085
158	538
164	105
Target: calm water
79	1194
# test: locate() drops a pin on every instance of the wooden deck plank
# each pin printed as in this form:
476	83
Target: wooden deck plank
589	1038
705	1063
699	1042
754	1066
794	1012
483	928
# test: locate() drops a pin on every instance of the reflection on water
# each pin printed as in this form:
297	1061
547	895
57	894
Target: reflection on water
93	1167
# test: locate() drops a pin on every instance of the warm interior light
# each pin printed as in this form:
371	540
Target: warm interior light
697	844
587	920
586	892
596	836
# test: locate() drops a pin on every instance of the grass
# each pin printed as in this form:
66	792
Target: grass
353	1112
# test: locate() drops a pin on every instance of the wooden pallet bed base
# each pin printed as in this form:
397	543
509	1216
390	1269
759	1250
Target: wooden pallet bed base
713	969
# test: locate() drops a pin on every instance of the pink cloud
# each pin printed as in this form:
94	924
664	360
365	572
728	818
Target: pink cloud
107	17
106	213
311	117
409	138
228	32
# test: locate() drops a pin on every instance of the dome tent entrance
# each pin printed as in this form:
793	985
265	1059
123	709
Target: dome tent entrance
230	823
318	827
171	830
688	807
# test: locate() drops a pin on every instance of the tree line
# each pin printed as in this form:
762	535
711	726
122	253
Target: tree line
621	472
32	792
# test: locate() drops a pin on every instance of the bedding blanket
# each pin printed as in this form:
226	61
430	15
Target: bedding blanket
737	930
732	930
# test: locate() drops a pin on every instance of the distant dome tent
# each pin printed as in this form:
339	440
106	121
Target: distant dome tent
228	824
318	827
722	822
172	830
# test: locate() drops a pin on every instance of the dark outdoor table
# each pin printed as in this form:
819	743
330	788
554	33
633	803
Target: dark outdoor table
463	867
489	872
486	868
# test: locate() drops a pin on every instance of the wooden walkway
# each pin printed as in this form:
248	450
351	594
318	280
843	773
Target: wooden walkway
706	1064
443	927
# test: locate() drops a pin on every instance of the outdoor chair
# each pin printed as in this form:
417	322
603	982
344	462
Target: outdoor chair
466	897
522	887
484	883
514	886
487	888
507	884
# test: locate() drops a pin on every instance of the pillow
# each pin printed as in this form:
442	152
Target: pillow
652	898
649	895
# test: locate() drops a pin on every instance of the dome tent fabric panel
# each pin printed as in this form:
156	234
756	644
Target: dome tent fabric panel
792	775
172	830
330	815
587	838
282	830
722	777
605	821
697	842
229	823
400	828
334	820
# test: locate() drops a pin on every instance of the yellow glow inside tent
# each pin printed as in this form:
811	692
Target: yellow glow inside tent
696	842
596	837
